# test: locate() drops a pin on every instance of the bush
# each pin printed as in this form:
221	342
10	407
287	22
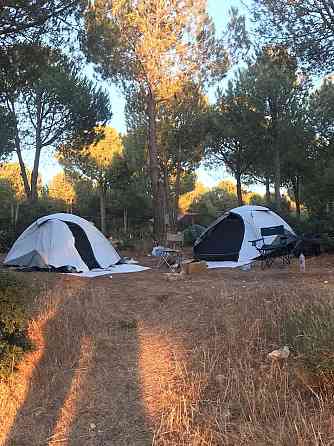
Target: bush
13	324
309	331
191	233
7	238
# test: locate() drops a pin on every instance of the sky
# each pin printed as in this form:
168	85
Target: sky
218	10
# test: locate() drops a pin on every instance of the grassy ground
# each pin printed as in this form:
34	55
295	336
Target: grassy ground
138	360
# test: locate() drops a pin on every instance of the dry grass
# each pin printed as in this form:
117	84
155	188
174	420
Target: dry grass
137	360
230	393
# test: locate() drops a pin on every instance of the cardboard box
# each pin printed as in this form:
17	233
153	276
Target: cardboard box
191	267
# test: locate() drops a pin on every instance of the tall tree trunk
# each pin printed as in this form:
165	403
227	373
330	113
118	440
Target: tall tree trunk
169	211
177	187
239	189
103	209
159	201
125	220
27	190
277	163
277	157
267	190
38	148
12	214
296	193
16	216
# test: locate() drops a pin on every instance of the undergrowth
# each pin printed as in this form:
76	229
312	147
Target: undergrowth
13	323
229	392
309	331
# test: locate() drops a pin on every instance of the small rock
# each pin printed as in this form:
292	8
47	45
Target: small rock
172	277
92	426
220	379
226	414
281	353
129	324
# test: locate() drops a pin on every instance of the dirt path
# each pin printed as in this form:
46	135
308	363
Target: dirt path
105	348
102	351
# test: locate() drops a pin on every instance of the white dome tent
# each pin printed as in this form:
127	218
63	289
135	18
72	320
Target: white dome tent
62	240
229	238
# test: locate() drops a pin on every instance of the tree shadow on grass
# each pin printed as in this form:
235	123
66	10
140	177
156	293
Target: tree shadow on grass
84	389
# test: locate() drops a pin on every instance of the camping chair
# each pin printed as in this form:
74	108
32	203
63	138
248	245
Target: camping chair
171	256
282	246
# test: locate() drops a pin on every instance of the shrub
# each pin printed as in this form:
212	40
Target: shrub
7	237
309	331
191	233
13	323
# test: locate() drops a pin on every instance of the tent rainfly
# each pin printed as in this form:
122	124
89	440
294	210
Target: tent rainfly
62	240
228	238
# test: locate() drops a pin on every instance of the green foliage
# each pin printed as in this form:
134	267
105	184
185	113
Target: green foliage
7	192
6	133
155	48
50	103
87	199
213	203
260	127
27	19
130	180
29	212
182	128
306	26
10	173
13	323
7	237
192	233
236	129
93	161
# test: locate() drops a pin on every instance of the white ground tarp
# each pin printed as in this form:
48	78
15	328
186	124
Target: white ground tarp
116	269
216	265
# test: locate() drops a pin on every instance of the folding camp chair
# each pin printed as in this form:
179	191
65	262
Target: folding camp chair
171	256
282	246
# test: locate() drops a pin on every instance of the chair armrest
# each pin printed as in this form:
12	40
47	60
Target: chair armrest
254	242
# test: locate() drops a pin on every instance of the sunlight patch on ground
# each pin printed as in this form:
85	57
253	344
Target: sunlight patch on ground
14	393
69	410
156	357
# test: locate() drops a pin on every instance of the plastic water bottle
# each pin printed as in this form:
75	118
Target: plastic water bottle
302	263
